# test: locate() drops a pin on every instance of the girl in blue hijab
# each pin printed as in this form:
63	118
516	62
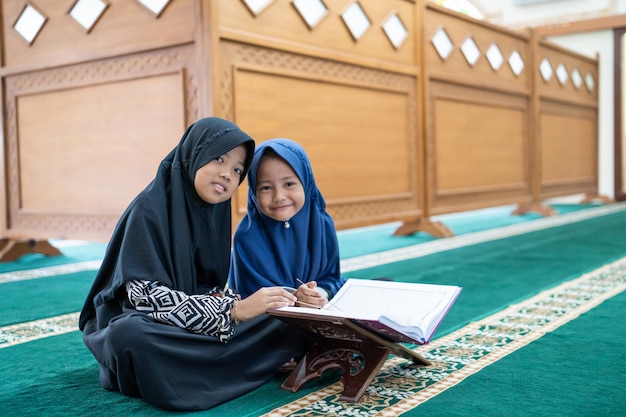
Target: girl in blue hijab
286	238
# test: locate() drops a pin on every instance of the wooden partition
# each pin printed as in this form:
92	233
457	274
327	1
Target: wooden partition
89	114
397	128
497	132
477	137
567	122
477	113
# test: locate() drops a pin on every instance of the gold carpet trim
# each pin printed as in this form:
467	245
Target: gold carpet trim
400	387
38	329
49	271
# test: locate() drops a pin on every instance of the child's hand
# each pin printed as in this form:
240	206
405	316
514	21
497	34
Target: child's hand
308	295
264	299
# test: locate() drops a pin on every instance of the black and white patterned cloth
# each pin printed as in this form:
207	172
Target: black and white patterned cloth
200	313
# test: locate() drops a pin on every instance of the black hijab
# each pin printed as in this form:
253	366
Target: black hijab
168	233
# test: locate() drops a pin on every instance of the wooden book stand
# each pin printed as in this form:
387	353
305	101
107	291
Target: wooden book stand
342	344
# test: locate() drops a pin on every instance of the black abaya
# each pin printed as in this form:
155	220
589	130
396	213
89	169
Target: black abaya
170	236
175	369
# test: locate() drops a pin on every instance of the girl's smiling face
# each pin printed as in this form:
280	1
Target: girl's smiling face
217	181
279	192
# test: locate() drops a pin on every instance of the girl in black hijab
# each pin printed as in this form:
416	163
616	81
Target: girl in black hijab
157	318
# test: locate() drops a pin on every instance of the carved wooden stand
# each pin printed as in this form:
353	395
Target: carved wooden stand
12	249
342	344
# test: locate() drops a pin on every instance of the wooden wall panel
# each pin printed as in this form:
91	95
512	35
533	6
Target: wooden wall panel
72	164
82	140
357	124
479	152
477	113
569	151
460	141
351	128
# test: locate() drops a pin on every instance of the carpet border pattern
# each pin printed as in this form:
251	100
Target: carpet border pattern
49	271
400	387
38	329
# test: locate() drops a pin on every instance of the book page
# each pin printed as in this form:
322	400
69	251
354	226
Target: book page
407	304
409	308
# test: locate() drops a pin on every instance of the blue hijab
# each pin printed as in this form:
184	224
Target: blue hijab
265	253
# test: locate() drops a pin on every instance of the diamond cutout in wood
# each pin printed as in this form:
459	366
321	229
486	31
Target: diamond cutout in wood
156	7
546	69
442	43
577	78
590	82
311	11
494	57
516	63
29	23
395	30
256	6
561	74
356	20
87	12
470	51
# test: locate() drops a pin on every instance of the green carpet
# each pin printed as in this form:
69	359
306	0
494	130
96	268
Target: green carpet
58	376
47	297
577	370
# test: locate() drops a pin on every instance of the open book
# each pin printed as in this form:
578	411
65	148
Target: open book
398	311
